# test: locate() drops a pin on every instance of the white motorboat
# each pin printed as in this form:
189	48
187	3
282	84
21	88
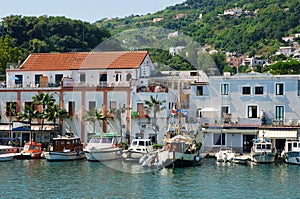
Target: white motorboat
241	159
7	157
65	148
102	147
262	151
225	154
137	149
4	149
291	152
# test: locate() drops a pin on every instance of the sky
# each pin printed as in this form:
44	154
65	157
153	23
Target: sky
89	10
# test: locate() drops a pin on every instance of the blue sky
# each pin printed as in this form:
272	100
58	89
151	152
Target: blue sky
89	10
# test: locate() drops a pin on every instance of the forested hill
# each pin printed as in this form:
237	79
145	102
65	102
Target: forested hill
22	35
258	29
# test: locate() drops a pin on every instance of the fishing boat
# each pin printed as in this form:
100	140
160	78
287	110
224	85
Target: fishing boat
262	151
225	154
180	151
137	149
65	148
103	147
291	152
31	150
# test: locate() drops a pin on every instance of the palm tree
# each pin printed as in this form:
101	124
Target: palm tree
43	100
54	112
28	115
118	114
154	105
93	115
11	111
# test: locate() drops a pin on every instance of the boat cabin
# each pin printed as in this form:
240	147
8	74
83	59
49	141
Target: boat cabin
66	143
141	145
107	138
292	146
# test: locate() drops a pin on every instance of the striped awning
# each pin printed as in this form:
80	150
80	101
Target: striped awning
278	133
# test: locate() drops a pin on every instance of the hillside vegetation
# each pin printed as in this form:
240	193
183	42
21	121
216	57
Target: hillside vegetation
257	30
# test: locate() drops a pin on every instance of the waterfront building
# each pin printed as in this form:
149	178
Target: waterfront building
233	110
79	82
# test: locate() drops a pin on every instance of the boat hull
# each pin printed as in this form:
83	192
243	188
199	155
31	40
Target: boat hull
292	158
6	157
103	154
241	160
178	159
64	156
263	157
29	155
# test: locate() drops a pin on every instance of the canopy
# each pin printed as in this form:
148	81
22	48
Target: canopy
209	109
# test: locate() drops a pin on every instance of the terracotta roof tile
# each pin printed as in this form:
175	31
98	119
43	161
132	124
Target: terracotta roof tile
83	60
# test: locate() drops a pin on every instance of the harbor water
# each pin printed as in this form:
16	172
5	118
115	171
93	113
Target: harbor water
83	179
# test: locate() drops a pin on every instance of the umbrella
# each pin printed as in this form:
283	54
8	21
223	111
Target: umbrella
13	78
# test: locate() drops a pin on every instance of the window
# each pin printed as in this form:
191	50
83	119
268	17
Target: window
19	79
58	78
82	78
128	77
279	89
219	139
11	108
199	90
252	112
103	78
224	89
259	90
118	77
37	79
199	113
71	108
92	105
279	112
246	90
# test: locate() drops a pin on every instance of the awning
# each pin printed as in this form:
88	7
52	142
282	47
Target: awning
33	127
209	109
278	133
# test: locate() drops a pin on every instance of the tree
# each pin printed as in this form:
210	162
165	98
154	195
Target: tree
154	105
29	113
43	100
54	112
93	115
12	110
118	114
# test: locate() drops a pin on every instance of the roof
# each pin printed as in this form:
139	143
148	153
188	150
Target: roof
83	60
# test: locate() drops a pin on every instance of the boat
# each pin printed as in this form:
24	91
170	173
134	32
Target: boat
262	151
225	154
65	148
180	151
7	157
4	149
31	150
138	148
103	147
241	159
7	152
291	152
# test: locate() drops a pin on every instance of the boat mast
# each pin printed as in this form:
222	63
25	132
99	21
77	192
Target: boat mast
179	106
